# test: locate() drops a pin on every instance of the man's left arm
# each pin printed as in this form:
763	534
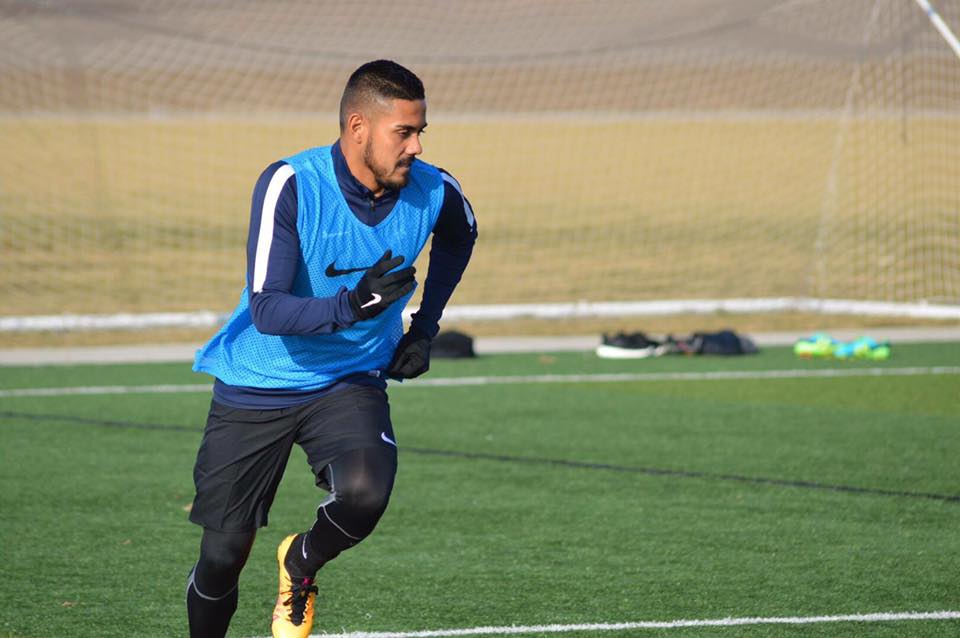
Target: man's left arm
453	238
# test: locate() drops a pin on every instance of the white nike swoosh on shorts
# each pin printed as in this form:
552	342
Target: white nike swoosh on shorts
383	435
375	299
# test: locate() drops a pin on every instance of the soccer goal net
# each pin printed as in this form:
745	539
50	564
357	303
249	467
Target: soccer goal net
619	155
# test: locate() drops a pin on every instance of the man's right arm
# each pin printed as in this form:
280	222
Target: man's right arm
273	259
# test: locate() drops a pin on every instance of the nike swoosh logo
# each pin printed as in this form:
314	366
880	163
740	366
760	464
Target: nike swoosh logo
383	435
303	547
333	271
373	300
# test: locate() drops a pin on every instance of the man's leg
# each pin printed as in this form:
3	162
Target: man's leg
239	465
350	445
360	482
212	585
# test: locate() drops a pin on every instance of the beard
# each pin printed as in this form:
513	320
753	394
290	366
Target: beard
386	178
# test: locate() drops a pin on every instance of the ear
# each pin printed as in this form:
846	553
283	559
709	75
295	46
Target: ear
356	127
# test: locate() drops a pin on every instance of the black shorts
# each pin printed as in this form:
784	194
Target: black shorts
244	452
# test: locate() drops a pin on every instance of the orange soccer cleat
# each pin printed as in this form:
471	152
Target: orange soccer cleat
293	613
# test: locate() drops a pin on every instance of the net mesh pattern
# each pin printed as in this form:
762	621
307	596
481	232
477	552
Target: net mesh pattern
612	149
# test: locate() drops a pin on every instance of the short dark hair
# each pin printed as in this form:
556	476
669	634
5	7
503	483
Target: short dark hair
378	81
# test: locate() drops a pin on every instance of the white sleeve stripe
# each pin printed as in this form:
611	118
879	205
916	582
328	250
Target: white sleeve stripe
448	178
265	238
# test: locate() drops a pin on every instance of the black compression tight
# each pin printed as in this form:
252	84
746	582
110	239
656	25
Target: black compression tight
222	556
360	483
212	586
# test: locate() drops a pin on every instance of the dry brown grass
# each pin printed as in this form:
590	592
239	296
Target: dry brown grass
136	214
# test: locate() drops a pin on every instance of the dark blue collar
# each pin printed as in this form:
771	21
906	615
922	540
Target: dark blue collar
368	209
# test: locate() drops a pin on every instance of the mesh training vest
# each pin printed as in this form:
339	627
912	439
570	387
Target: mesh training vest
330	234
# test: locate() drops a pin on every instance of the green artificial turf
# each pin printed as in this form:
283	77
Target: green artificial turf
518	504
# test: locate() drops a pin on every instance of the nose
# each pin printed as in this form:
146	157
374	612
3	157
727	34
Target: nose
414	147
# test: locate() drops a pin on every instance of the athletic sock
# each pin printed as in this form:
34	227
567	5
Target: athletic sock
302	561
209	616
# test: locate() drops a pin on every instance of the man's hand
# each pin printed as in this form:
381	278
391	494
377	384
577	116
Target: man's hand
412	357
378	288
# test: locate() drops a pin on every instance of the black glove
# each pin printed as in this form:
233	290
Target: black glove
412	357
378	288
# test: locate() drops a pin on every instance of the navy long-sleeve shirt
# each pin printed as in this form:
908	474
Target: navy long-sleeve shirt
273	260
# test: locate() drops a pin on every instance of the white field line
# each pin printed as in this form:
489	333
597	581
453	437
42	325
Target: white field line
668	624
617	377
106	389
516	379
500	312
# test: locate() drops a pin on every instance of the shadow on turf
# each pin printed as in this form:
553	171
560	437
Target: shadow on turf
505	458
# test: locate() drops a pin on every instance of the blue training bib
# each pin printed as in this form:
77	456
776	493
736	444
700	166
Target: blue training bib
331	237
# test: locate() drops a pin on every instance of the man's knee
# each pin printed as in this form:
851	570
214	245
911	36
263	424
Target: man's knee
222	557
363	481
365	496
